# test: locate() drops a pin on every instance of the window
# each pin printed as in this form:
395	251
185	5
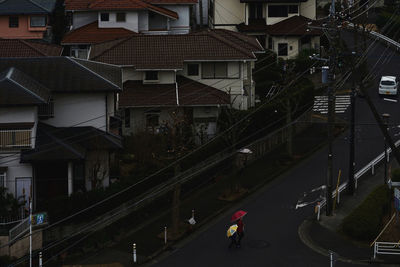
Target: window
38	21
193	70
152	120
151	76
255	11
79	177
80	51
47	110
121	17
214	70
104	17
13	22
2	178
283	49
127	118
293	9
277	11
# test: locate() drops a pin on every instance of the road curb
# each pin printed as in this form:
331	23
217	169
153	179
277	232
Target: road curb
303	231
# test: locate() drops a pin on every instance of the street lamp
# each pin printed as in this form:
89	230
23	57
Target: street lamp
386	117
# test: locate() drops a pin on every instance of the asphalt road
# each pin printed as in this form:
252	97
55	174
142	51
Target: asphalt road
272	222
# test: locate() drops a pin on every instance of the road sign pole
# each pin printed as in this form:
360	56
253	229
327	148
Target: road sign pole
30	232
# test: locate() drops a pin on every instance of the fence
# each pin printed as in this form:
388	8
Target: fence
15	138
386	248
19	230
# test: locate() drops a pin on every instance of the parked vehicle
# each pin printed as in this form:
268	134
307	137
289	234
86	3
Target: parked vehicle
388	85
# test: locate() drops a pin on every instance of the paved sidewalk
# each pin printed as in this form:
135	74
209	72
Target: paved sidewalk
323	236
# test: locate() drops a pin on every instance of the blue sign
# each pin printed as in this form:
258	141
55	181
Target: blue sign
397	198
39	218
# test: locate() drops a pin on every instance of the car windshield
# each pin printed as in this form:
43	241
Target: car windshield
387	83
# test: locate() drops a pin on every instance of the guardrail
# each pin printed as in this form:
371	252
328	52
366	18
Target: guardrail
370	166
386	248
19	230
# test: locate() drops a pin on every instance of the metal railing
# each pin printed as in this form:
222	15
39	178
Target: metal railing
15	138
386	248
19	230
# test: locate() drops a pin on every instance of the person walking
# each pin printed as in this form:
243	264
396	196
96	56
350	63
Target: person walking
239	232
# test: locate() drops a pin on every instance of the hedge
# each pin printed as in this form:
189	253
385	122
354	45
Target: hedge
365	222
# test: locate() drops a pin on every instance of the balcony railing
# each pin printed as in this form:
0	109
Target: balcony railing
15	138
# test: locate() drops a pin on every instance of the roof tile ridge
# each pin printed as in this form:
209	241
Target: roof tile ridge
31	46
122	40
232	44
95	3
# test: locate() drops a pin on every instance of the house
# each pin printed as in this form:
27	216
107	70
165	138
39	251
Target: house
196	73
56	126
281	26
28	48
25	19
95	21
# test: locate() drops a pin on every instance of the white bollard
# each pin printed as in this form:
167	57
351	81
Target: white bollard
331	258
40	259
318	211
134	253
165	235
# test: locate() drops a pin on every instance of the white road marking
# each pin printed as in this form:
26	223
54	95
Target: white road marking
391	100
341	104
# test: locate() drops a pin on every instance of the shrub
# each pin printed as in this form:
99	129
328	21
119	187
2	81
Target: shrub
364	223
396	175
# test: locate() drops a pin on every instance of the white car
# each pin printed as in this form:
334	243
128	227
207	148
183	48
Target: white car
388	85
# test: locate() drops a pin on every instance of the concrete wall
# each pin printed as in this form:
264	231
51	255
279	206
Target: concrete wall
23	31
80	19
131	21
85	109
3	250
21	247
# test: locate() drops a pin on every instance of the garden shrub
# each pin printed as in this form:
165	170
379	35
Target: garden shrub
396	175
365	222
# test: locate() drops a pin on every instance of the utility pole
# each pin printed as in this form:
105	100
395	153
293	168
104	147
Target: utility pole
331	111
386	117
30	232
351	184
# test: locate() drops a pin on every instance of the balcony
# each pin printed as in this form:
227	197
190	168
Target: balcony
15	139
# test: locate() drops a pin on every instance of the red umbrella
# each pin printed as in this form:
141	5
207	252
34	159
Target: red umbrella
237	215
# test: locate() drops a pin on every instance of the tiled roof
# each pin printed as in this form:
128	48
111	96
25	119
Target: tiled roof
25	48
272	1
92	34
161	2
170	51
118	5
12	7
68	143
191	93
16	88
258	25
293	26
61	74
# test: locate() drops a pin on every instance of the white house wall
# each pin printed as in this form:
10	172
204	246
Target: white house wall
18	114
15	169
143	20
181	25
131	21
228	12
129	74
308	9
80	19
79	110
292	42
